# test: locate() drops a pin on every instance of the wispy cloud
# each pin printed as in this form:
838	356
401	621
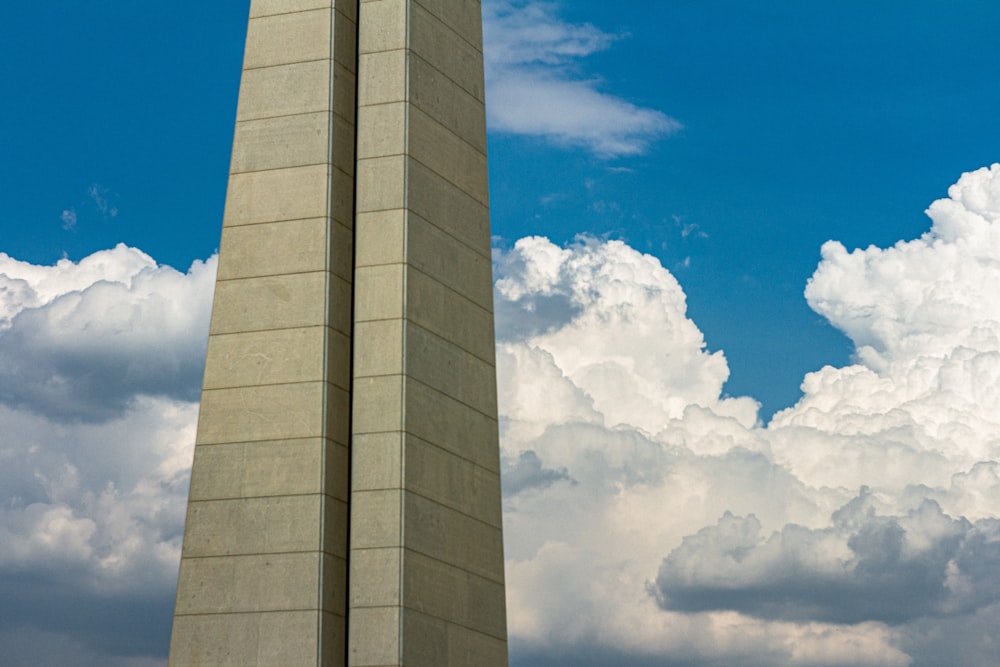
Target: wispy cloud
535	87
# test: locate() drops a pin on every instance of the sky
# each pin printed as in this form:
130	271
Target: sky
748	348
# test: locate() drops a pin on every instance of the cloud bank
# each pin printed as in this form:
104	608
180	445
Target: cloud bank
650	518
535	88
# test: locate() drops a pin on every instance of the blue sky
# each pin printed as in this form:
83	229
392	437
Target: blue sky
729	141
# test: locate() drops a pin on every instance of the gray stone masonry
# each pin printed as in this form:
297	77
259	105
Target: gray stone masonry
345	494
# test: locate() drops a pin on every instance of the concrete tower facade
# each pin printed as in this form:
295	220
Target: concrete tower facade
345	494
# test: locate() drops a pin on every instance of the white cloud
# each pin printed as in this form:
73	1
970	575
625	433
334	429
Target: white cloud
533	87
755	540
649	520
95	451
81	340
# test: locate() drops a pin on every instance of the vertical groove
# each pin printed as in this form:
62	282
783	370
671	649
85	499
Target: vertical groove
350	366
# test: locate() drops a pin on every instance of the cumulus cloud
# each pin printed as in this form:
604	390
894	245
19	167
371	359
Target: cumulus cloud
534	88
100	364
82	340
649	518
692	534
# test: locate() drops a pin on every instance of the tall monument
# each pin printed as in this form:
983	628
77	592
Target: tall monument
345	494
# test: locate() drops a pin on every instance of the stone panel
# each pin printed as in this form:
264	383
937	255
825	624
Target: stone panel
378	292
280	302
382	130
270	412
453	481
282	39
265	357
447	155
228	584
239	640
381	78
378	404
283	194
375	577
381	182
443	204
374	637
447	51
378	348
377	461
383	26
449	314
433	642
448	103
268	249
380	237
452	594
257	469
464	17
284	90
449	261
266	525
449	369
455	538
280	142
467	432
376	519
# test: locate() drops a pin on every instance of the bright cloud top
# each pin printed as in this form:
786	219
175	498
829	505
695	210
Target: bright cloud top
533	87
649	518
663	522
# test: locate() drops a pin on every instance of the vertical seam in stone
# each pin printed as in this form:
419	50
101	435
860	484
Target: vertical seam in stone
404	326
325	424
350	364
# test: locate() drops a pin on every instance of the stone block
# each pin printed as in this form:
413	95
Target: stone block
283	194
449	369
258	469
374	637
445	205
376	519
282	39
233	584
280	302
448	103
378	404
381	77
467	432
451	594
432	642
377	461
382	26
267	525
378	292
381	183
439	45
375	577
455	482
382	130
270	412
444	153
378	348
452	537
272	248
281	142
238	640
448	314
449	261
465	17
380	238
284	90
265	357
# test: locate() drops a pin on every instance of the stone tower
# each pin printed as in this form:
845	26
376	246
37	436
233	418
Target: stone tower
345	494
